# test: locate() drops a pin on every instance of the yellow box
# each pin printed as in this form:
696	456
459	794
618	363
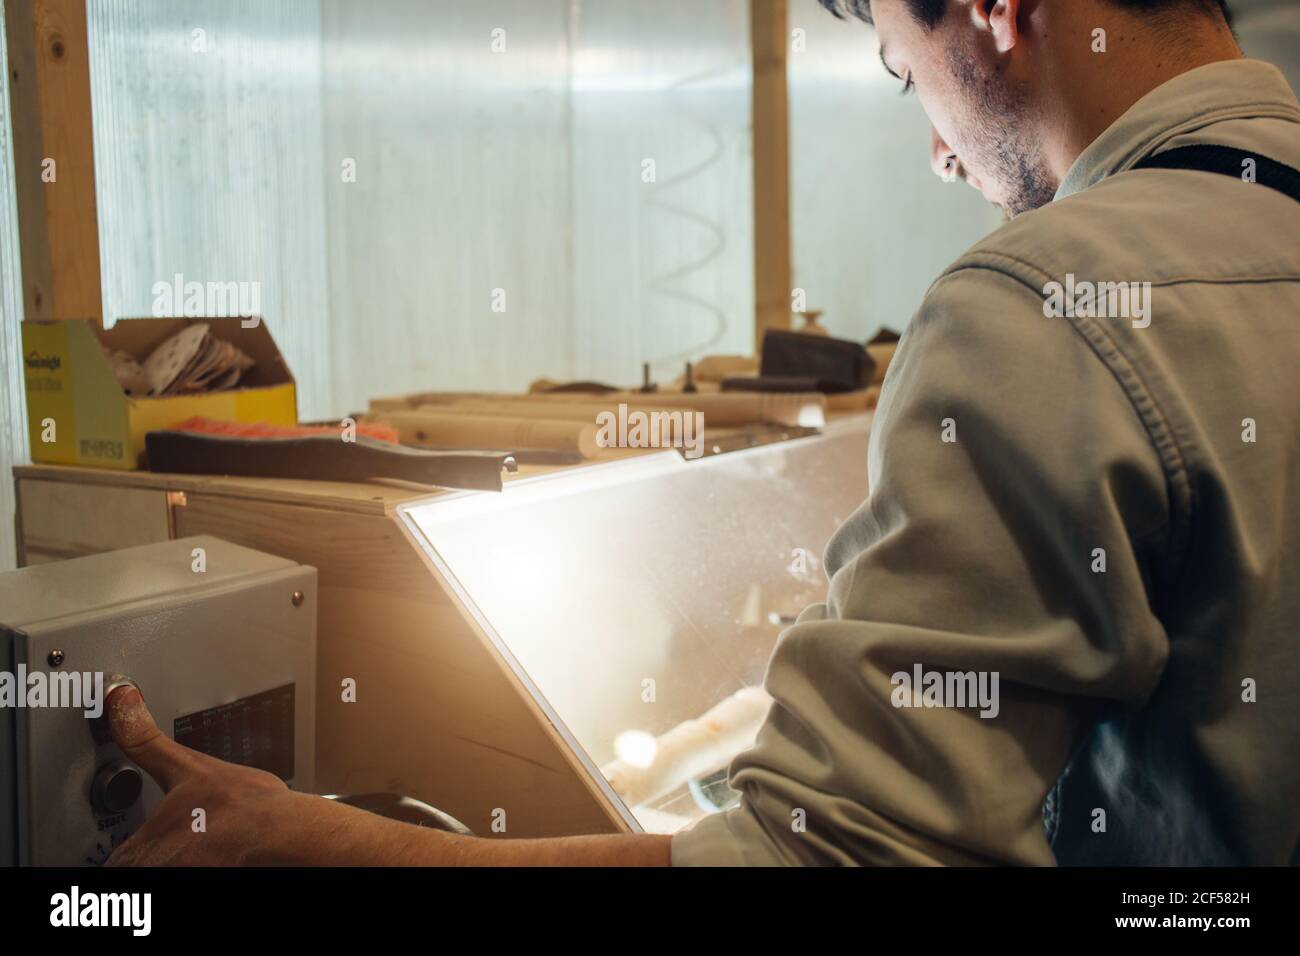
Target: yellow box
77	413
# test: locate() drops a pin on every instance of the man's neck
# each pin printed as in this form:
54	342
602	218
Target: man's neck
1094	89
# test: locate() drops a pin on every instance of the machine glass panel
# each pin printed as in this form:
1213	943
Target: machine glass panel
639	600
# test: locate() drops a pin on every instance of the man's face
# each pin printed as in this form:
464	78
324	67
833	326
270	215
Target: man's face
976	96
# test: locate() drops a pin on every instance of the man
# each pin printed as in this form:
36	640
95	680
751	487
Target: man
1083	497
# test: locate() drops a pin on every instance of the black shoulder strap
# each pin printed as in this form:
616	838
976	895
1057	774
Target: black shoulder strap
1228	162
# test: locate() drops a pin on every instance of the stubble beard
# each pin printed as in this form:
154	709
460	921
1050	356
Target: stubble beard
997	139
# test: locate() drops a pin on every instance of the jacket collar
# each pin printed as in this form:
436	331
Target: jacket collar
1231	89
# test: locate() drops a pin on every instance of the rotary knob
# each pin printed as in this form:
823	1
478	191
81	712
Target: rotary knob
116	787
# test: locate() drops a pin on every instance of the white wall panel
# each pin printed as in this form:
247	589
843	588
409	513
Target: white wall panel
520	169
1270	30
663	270
208	161
462	187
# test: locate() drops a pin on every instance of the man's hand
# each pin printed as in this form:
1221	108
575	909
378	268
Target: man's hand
251	817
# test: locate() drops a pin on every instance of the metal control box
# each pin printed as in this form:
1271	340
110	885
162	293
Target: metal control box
221	641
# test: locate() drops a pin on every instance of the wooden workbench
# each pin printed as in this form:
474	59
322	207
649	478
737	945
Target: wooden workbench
439	715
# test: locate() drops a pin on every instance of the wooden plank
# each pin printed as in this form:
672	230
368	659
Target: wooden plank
50	104
769	39
61	520
376	497
20	537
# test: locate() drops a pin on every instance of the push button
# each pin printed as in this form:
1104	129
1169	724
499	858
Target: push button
116	787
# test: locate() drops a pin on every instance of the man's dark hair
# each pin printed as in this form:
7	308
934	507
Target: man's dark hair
930	12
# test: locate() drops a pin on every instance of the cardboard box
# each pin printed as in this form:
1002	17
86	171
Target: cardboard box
71	387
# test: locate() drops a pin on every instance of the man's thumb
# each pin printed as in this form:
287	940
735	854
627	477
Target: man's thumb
136	733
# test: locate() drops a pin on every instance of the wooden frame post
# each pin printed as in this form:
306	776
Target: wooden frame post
54	158
769	39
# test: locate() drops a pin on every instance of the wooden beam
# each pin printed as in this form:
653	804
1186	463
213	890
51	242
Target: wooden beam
49	93
769	40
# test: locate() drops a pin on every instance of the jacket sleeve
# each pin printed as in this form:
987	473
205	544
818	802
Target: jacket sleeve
1003	455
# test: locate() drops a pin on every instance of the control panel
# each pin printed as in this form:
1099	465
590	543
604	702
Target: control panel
220	640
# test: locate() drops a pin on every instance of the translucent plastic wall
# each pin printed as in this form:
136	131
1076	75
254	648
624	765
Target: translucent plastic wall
209	163
504	222
435	194
449	195
471	193
1270	30
450	261
664	268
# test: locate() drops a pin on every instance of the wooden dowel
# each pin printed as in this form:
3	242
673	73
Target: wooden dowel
448	429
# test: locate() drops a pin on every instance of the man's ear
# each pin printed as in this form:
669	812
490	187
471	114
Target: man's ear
1001	18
